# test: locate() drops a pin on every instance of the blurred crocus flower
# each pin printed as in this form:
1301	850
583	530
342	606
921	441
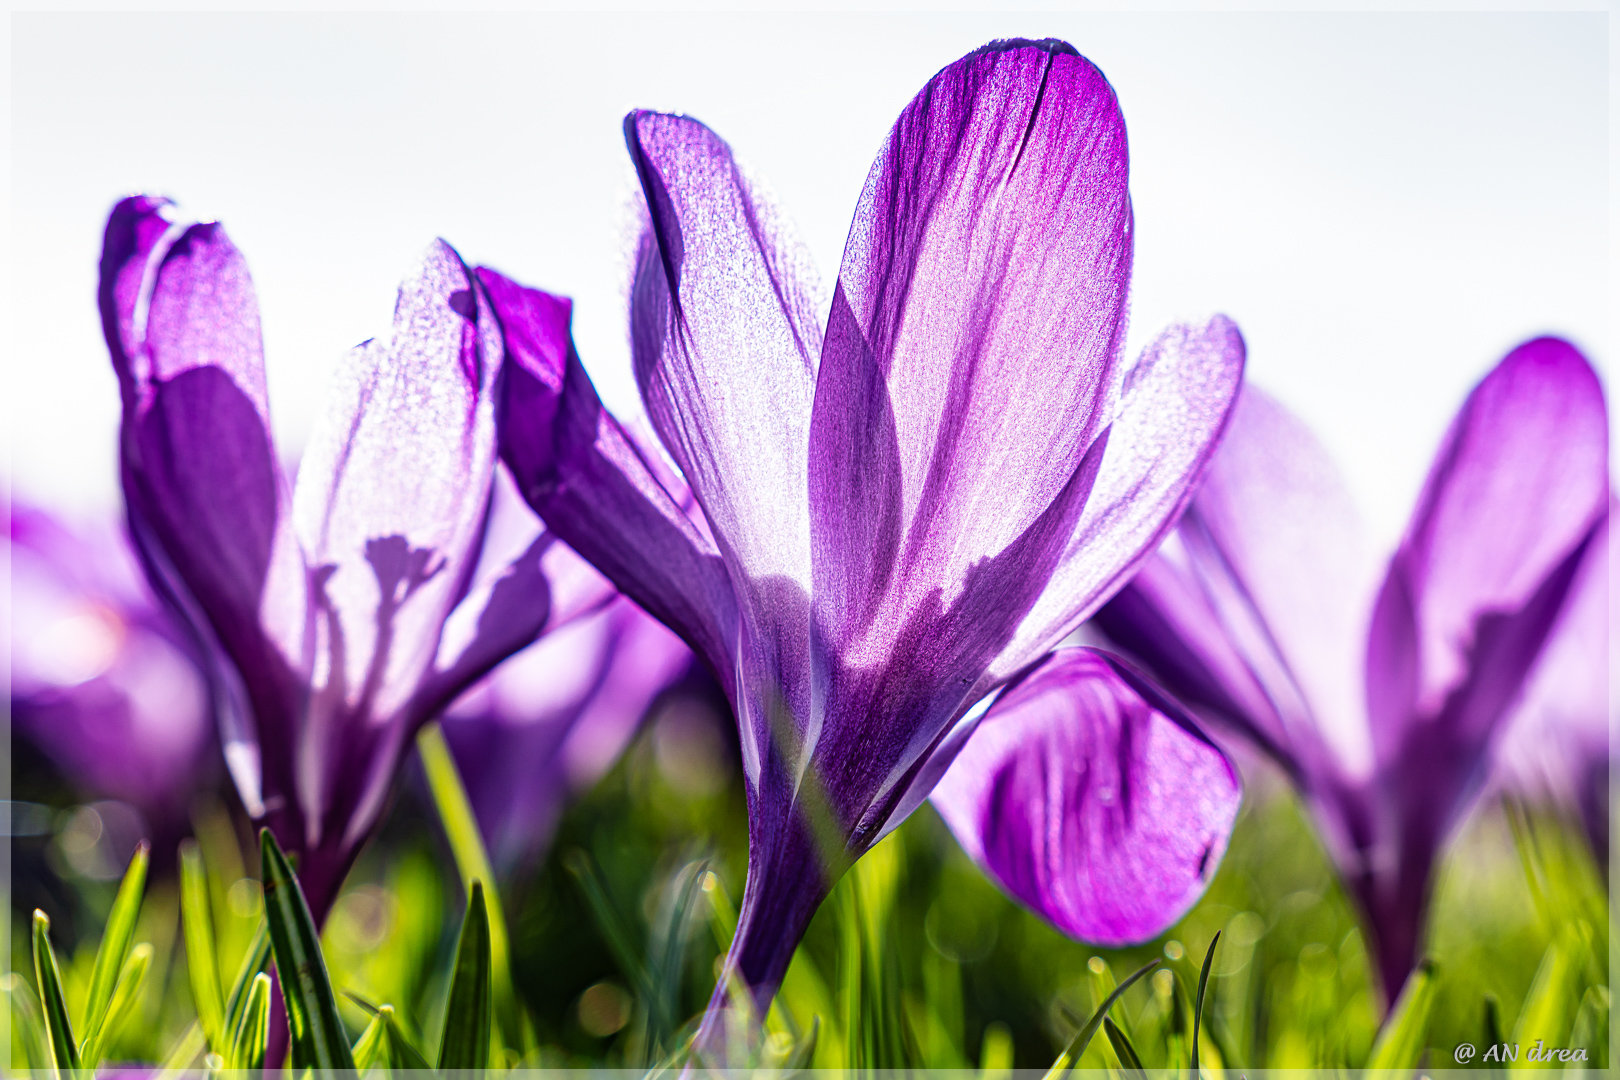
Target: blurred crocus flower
103	682
1559	745
906	508
1380	689
322	610
548	722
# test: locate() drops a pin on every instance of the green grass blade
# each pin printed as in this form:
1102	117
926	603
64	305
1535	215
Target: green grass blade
184	1053
59	1032
402	1053
996	1052
372	1046
202	960
1132	1064
472	862
257	959
318	1039
1551	1002
1400	1044
1082	1038
250	1037
115	945
125	994
1198	1004
25	1015
469	1013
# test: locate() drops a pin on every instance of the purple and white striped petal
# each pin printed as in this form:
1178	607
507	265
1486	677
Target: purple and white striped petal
389	505
970	361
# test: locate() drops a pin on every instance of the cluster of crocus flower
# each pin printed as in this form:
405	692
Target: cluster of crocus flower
333	619
881	515
1381	689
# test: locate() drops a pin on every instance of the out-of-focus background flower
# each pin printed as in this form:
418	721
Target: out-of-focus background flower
1385	203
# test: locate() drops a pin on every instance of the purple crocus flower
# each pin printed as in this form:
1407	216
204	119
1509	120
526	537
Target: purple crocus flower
1380	695
103	682
320	610
1560	743
907	507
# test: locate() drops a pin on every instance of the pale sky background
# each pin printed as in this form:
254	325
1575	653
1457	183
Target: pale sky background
1385	203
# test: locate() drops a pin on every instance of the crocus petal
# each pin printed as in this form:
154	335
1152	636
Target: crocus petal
724	334
1176	402
1560	740
1511	504
389	504
1518	484
971	351
1277	549
1092	799
1164	619
965	382
206	498
594	487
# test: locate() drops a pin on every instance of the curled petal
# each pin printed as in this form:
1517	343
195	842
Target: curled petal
1092	799
594	487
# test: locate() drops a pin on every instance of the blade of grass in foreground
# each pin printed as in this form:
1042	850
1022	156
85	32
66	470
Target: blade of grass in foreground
472	862
1128	1059
256	960
1551	1002
64	1052
1198	1005
114	948
128	990
1400	1044
202	960
318	1039
251	1036
184	1053
469	1012
25	1014
402	1053
1082	1038
372	1045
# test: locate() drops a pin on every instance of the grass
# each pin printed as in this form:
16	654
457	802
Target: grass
916	959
